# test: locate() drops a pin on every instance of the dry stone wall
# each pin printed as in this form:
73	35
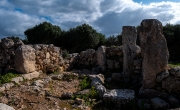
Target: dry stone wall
7	53
14	55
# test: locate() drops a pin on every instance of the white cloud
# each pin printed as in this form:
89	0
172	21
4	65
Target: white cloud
107	16
14	23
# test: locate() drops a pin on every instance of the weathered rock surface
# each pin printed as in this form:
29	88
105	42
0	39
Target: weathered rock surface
154	51
162	75
174	103
98	78
159	104
171	84
175	71
25	59
119	96
101	57
17	80
5	107
32	75
129	36
97	81
7	43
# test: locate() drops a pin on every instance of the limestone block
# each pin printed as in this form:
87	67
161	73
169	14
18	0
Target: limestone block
154	51
25	59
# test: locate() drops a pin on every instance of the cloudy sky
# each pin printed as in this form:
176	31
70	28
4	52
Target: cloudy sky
106	16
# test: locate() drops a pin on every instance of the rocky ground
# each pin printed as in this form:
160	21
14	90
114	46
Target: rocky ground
81	90
48	92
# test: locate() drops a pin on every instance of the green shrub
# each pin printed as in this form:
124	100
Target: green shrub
7	77
85	83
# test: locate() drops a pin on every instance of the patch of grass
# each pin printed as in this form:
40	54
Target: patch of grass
69	77
93	94
7	77
56	72
174	64
85	83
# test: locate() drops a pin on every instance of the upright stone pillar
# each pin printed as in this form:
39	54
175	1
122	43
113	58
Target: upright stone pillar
129	36
154	51
25	59
101	57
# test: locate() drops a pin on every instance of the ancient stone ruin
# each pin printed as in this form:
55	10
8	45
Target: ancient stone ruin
146	65
154	51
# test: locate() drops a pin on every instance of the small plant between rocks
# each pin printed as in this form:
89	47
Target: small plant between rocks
89	98
7	77
85	83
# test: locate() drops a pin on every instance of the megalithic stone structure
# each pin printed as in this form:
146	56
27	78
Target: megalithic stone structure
153	49
129	36
101	57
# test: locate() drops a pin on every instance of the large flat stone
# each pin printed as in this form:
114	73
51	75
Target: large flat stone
119	96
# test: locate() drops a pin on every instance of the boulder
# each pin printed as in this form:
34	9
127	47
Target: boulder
17	80
5	107
119	96
32	75
99	87
159	104
130	50
25	59
99	78
175	71
162	75
171	84
154	51
173	101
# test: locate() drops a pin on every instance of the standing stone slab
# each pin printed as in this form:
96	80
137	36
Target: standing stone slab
129	36
101	57
154	51
25	59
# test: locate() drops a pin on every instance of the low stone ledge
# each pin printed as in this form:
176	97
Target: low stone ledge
119	96
31	75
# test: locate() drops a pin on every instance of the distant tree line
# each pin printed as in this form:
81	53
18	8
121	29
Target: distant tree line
85	37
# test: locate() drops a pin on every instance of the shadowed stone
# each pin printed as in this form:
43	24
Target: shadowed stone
154	51
129	36
101	57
